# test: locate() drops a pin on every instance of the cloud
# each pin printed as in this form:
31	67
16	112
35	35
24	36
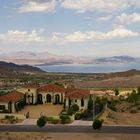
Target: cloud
78	37
20	37
105	18
128	18
34	37
78	5
38	6
99	5
101	18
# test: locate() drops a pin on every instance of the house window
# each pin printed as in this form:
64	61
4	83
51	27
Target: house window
2	107
75	101
82	102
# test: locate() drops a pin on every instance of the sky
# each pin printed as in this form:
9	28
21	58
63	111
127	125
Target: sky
94	28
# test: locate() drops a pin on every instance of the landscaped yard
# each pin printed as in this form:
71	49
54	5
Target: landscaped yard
35	111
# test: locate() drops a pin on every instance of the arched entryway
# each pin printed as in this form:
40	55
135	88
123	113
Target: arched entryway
48	98
57	98
39	98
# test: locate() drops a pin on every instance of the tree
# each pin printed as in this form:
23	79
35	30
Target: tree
133	97
74	108
99	105
42	121
116	91
97	124
138	90
90	104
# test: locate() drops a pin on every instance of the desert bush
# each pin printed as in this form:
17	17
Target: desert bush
49	119
86	113
52	120
42	121
112	105
55	121
133	97
70	111
116	91
65	119
64	111
78	116
75	107
11	118
113	108
97	124
133	111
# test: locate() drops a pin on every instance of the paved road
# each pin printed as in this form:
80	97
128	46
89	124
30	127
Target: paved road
67	128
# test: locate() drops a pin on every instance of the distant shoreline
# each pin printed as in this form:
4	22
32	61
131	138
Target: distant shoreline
89	68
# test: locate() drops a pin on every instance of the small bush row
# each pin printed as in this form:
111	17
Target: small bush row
43	120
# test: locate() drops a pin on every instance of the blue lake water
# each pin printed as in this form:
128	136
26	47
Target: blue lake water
90	68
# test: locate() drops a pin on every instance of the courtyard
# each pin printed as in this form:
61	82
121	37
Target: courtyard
35	111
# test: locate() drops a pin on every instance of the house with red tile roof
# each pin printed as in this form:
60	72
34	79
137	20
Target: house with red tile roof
51	93
11	102
55	94
77	96
30	91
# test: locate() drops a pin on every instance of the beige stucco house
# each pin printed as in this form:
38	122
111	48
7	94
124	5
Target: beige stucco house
77	96
51	93
11	102
30	92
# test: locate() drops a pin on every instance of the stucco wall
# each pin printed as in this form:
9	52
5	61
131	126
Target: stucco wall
29	92
6	106
44	96
78	102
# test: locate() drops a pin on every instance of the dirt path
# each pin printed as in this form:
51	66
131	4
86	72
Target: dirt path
66	136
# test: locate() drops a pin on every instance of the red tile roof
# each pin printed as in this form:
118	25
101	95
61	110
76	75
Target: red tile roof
68	90
78	93
13	96
51	88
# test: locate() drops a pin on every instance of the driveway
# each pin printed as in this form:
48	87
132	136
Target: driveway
35	111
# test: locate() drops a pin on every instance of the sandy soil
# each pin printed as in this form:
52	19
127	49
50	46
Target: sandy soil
122	118
66	136
45	109
132	81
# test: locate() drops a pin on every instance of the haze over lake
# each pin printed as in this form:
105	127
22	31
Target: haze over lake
90	68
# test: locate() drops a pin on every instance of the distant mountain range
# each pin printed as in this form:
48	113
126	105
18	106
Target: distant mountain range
45	58
11	68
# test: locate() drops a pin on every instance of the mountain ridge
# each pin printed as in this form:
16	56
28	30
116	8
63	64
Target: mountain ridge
45	58
15	69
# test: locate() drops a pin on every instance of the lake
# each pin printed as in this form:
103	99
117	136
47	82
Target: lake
90	68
